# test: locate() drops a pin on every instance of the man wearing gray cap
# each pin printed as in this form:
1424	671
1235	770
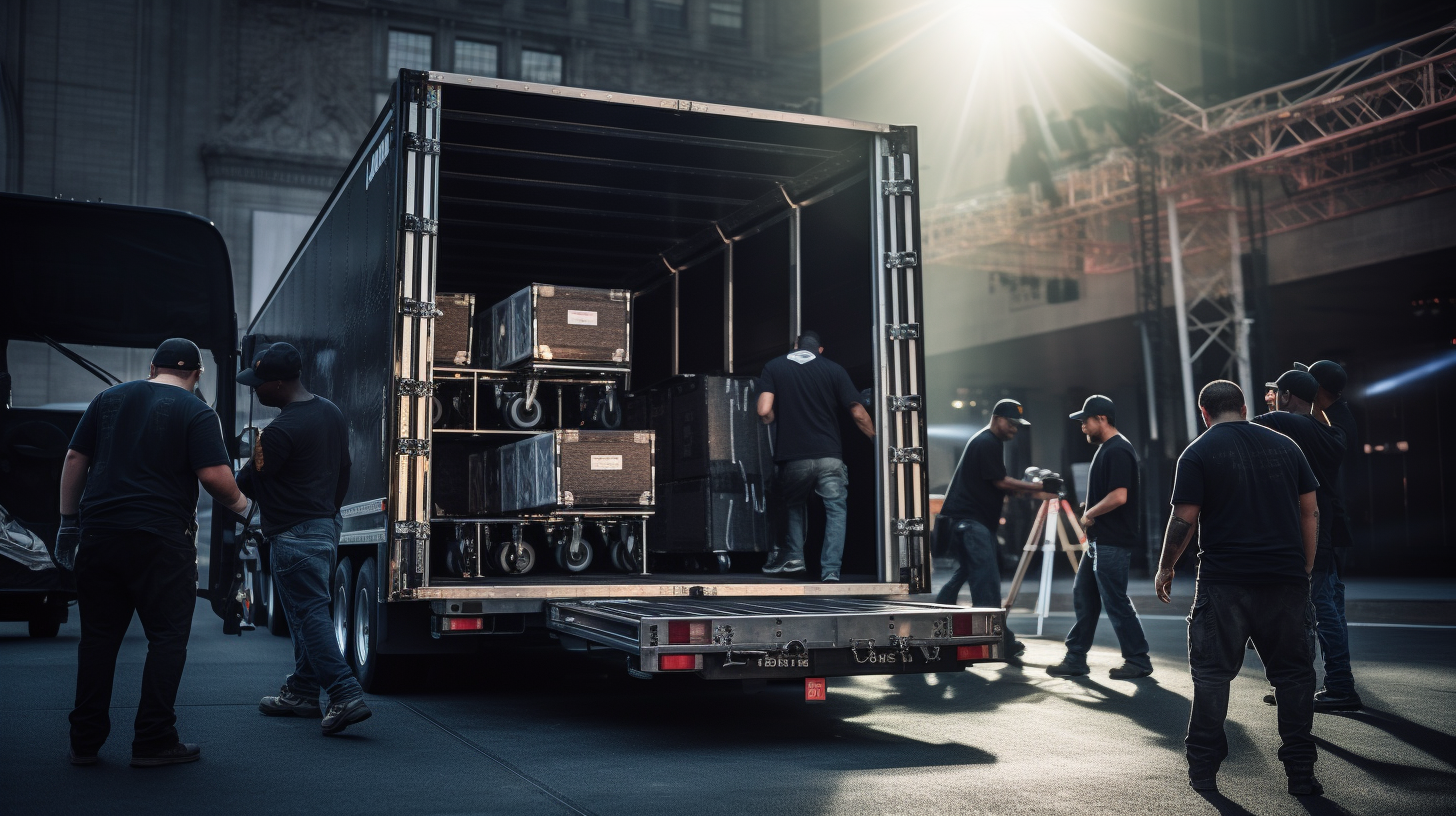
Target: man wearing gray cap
128	528
1111	523
972	511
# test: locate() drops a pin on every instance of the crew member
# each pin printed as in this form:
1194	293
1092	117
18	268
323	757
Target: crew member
807	393
128	526
299	474
1251	495
972	513
1111	523
1326	589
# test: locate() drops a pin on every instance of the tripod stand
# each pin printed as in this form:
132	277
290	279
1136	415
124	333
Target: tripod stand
1048	528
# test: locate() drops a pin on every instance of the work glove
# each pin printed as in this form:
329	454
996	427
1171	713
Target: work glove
68	540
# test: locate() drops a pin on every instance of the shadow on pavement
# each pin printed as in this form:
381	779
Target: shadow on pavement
1438	744
1224	805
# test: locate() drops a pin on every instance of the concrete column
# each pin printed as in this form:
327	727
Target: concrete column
1180	307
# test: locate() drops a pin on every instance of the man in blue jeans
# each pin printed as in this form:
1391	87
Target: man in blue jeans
807	393
298	475
972	509
1111	523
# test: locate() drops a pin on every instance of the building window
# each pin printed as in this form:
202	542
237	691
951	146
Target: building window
669	13
408	49
609	8
540	66
726	17
477	58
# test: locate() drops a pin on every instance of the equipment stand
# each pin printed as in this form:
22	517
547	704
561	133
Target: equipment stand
1048	528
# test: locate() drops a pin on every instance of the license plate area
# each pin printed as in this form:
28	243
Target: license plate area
840	662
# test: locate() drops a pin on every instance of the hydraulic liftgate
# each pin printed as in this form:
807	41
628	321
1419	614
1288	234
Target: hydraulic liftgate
750	638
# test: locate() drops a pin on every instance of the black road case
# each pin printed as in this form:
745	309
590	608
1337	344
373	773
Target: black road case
561	325
715	424
725	513
568	470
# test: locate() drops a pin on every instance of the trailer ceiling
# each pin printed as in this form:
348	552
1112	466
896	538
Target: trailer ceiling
589	193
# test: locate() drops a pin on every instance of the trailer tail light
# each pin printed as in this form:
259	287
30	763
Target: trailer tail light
962	625
677	662
973	652
462	624
689	632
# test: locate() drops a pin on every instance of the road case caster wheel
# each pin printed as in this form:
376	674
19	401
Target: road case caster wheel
609	414
723	562
573	562
509	563
522	416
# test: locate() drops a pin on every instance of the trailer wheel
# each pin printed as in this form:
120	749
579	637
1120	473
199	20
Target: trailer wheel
521	416
343	587
374	671
504	558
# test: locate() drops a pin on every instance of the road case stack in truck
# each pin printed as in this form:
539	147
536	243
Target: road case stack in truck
625	242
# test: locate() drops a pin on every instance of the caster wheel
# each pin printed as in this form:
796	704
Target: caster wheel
505	559
437	411
609	414
722	563
614	554
521	416
625	549
573	562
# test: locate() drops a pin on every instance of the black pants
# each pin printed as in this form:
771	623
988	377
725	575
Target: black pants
1280	620
118	573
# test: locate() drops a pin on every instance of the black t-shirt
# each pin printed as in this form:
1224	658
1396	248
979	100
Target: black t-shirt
1343	418
1323	447
1114	465
146	442
1247	480
811	392
300	465
973	493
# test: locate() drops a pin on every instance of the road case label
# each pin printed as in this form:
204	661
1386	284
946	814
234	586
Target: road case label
599	462
576	317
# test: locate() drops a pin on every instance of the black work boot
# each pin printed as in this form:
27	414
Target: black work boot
289	704
1068	668
1303	783
176	755
1327	700
345	714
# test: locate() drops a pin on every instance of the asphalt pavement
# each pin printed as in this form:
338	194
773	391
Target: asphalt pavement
527	732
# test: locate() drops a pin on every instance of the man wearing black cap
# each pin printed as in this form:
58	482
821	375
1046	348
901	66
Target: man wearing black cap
1111	523
128	527
972	513
299	474
807	393
1250	494
1326	589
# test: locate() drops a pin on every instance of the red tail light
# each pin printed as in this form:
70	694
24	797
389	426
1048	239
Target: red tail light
962	625
685	662
462	624
689	632
973	652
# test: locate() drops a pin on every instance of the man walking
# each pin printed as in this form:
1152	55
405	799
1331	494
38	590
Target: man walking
807	393
128	525
1326	589
1251	495
1111	523
972	513
299	474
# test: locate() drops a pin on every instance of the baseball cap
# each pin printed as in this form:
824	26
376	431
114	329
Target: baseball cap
1301	384
1330	375
279	361
1011	409
178	352
1096	405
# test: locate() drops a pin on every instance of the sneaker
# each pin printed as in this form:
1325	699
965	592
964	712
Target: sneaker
1305	784
342	715
82	758
793	566
831	577
775	563
1326	700
289	704
176	755
1067	668
1128	671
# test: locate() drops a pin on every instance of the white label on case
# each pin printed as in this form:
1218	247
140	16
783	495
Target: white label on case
599	462
576	317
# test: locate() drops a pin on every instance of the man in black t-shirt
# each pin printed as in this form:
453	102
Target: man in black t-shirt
807	393
1111	523
971	513
299	474
1251	494
129	521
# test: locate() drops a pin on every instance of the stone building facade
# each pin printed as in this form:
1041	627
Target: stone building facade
246	111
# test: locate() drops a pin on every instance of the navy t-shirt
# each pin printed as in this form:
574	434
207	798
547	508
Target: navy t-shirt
1247	480
300	465
1114	465
1324	448
811	392
146	442
973	493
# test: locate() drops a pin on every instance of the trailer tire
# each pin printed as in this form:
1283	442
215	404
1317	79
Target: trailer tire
342	592
374	671
524	417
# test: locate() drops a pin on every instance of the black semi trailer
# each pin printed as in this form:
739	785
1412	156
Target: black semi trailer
730	229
